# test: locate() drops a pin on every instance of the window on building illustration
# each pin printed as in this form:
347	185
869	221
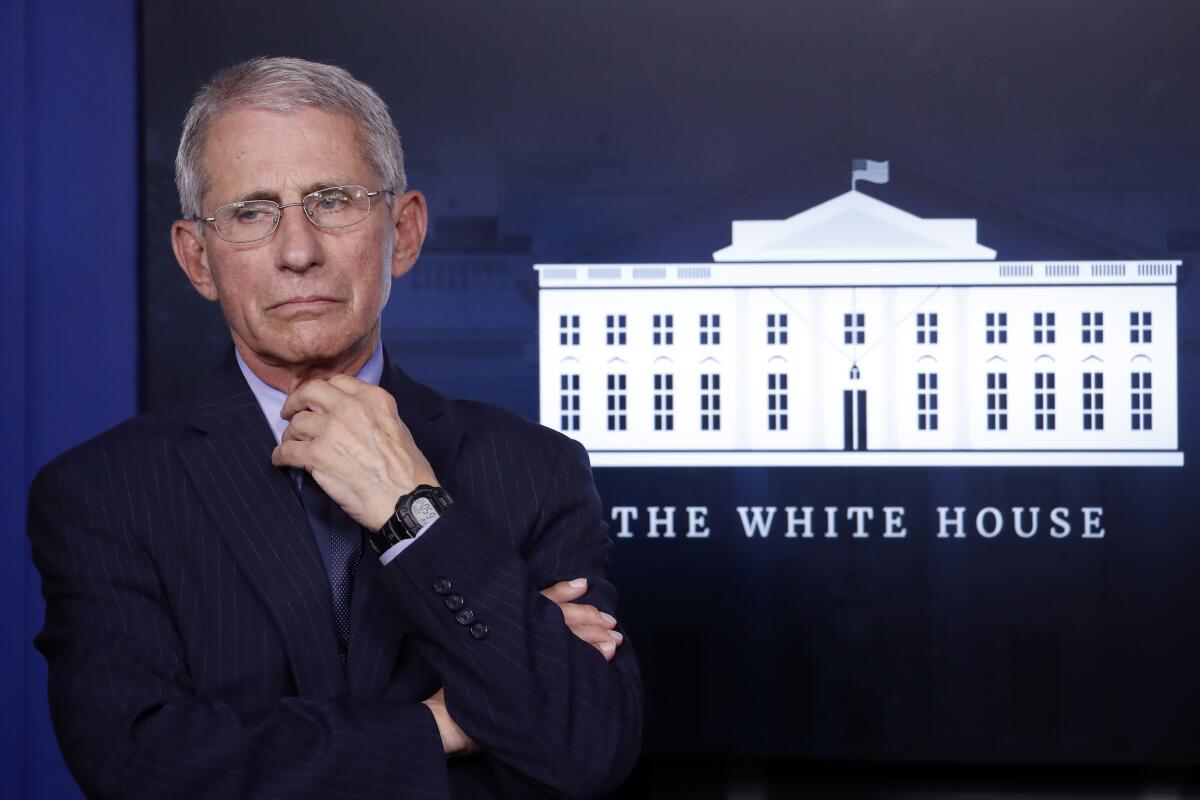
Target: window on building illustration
664	402
1043	401
777	401
1140	401
997	401
615	328
777	329
569	402
1139	327
997	327
568	329
616	402
710	329
927	401
1043	327
664	328
855	328
927	328
1093	327
710	402
1093	401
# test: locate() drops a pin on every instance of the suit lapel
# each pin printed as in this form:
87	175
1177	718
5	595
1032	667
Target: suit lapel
376	634
427	415
259	516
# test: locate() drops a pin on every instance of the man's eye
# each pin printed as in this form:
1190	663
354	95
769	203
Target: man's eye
333	201
249	214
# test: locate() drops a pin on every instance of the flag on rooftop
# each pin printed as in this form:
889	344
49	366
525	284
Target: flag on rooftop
872	171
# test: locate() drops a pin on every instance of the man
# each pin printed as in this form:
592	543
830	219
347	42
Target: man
215	625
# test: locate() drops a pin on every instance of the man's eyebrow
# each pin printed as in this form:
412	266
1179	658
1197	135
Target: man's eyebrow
261	194
328	183
271	194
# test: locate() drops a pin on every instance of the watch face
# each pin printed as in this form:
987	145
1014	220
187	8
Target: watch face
422	511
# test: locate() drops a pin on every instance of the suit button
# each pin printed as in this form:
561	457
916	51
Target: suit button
465	617
454	602
479	631
442	585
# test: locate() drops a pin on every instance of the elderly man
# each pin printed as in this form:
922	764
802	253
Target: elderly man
321	578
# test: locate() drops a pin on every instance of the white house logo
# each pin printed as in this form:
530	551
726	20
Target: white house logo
856	334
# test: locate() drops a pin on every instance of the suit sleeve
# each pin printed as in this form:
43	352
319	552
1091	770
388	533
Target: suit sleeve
128	718
535	697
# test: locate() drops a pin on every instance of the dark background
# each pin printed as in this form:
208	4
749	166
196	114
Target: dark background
633	132
636	131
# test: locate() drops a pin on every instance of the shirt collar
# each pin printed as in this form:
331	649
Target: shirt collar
271	400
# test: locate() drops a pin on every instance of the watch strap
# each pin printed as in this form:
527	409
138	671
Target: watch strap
414	511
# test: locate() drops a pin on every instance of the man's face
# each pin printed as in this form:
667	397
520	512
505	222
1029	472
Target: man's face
302	296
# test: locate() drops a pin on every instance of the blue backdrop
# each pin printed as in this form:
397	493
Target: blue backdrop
68	294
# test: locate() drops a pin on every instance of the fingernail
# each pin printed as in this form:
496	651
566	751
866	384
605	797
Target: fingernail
609	618
608	647
578	583
616	635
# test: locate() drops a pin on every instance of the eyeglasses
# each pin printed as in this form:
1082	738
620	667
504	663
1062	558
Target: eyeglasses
250	220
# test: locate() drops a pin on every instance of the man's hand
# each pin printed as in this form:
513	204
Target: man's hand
348	434
454	741
587	622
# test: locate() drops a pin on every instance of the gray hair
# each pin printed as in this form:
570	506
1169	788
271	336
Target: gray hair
286	85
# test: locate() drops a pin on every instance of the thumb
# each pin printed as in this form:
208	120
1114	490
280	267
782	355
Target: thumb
566	591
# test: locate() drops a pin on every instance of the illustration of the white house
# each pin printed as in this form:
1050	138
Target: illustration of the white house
855	333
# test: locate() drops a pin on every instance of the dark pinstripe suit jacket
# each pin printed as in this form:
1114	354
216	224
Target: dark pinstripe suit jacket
189	629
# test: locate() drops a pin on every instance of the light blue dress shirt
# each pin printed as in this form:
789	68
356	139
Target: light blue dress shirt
271	401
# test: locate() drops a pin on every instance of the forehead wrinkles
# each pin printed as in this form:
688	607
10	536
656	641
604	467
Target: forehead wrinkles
347	138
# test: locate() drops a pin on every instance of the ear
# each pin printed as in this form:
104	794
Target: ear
188	243
411	219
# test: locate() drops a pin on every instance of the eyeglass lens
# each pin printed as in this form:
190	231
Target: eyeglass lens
251	220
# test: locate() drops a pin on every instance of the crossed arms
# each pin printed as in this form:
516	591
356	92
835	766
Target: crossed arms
535	698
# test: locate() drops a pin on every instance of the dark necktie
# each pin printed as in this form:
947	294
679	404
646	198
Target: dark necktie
339	539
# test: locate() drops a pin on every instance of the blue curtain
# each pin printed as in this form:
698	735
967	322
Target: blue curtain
69	195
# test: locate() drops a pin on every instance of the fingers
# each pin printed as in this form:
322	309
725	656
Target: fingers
597	634
380	400
310	456
349	385
605	640
293	453
594	627
454	740
305	425
585	621
580	614
316	395
565	591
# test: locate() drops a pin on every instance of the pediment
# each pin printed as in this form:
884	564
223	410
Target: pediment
858	227
855	227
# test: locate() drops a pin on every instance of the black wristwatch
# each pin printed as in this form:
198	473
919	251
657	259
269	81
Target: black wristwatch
414	511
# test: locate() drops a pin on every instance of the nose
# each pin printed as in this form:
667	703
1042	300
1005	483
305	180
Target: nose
297	240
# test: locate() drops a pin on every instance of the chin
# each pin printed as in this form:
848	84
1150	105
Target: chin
315	354
317	349
296	350
306	341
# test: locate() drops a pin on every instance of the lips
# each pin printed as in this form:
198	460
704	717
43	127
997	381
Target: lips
306	307
307	301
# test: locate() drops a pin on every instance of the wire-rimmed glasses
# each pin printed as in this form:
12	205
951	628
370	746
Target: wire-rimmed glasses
247	221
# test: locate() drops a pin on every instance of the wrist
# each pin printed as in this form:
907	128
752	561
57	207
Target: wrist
410	514
385	502
378	516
